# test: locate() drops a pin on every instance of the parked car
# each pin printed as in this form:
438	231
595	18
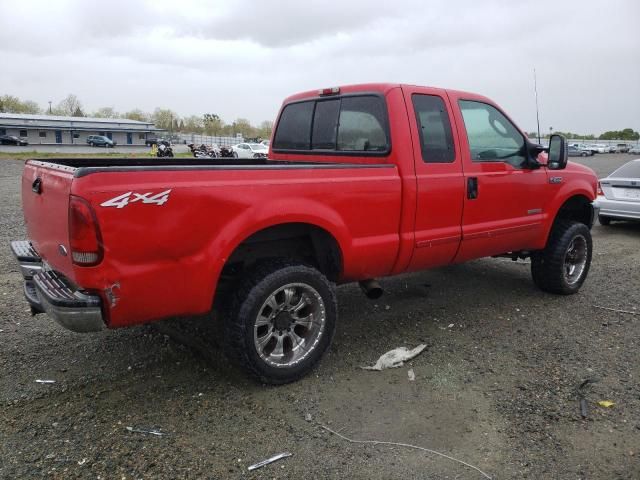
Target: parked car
100	141
12	140
576	152
623	147
264	242
619	194
598	148
250	150
634	150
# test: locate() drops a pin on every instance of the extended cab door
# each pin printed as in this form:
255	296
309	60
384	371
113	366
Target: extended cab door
504	197
439	177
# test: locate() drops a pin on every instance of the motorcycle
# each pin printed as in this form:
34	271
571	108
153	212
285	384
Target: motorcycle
164	149
203	151
226	152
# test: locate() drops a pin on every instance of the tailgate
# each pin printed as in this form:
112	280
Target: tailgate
45	203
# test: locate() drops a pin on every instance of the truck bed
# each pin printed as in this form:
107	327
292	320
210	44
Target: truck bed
168	226
85	166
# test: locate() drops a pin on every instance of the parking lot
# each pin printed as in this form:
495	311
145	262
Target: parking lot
64	149
498	386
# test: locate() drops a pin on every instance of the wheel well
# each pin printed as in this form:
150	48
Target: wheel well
577	208
299	241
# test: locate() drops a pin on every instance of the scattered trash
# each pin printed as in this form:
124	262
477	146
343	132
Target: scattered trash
308	417
269	460
411	374
395	358
45	381
82	462
584	411
141	430
616	310
415	447
584	407
451	325
606	403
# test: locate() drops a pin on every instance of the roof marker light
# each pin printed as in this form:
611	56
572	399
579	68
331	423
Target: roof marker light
329	91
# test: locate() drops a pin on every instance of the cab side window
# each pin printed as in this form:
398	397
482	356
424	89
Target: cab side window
434	128
492	137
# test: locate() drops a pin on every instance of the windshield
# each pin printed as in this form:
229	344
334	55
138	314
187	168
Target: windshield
256	146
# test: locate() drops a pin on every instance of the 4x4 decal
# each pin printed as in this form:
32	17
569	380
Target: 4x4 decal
125	199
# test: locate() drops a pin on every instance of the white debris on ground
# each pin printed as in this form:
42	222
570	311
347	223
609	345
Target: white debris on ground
411	374
395	358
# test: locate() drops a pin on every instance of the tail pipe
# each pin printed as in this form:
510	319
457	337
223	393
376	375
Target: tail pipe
371	288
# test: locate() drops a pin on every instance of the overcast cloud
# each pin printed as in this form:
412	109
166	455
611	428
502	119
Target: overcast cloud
240	58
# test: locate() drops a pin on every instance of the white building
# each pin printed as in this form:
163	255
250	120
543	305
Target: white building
53	129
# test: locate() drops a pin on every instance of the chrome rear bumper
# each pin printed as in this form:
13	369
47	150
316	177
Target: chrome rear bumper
50	292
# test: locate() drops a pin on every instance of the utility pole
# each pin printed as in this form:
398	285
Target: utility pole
49	107
535	88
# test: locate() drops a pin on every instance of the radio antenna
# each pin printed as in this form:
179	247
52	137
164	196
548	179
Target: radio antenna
535	89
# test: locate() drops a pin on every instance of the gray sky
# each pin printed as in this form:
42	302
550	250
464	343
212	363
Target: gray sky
240	58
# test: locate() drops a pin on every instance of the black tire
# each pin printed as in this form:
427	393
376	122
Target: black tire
604	220
548	267
248	302
235	154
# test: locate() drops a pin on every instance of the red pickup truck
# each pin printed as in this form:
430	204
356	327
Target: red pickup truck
362	182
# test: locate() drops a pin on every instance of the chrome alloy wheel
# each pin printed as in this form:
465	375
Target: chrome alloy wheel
575	259
289	325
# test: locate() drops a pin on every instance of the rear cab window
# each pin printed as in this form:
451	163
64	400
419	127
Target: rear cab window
346	125
630	170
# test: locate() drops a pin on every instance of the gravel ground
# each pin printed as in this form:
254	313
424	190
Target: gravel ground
497	386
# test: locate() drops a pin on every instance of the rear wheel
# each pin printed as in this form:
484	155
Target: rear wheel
604	220
563	265
280	321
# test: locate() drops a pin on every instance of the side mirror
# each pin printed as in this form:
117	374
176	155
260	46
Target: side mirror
558	153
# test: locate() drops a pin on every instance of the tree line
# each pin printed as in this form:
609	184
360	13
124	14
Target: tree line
626	134
164	118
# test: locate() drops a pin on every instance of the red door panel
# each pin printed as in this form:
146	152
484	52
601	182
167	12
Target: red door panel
507	211
440	186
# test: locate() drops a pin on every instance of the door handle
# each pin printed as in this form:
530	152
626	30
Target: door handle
472	188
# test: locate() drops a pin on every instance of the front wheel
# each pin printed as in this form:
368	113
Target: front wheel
583	154
280	321
235	154
563	265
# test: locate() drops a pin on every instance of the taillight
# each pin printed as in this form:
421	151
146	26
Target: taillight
85	240
600	192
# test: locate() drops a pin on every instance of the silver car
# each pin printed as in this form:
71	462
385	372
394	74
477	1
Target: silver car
619	194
